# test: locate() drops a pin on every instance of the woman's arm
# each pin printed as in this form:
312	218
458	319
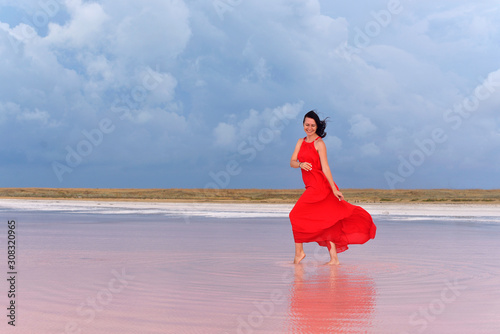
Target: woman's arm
294	163
321	147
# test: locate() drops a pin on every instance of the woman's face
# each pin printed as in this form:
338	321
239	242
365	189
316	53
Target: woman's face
310	126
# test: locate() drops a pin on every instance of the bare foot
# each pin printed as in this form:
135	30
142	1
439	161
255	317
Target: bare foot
299	258
335	262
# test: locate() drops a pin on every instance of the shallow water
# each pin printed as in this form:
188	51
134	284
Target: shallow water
101	272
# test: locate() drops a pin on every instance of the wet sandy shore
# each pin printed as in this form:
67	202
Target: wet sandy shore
139	268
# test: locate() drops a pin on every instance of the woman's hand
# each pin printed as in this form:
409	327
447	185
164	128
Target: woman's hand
338	194
307	166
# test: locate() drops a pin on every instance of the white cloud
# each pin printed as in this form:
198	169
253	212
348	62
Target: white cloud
150	32
260	72
36	115
263	126
157	87
333	143
361	126
225	134
371	150
84	28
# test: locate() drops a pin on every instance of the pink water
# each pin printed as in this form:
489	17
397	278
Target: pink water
96	273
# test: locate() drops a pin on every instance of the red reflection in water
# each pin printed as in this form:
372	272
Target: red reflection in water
330	300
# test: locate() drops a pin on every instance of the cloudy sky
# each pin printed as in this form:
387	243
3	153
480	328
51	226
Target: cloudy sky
211	93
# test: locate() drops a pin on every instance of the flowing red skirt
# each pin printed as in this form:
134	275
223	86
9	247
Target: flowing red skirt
329	219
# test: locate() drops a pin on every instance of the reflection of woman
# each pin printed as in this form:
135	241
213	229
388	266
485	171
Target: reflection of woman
321	215
331	300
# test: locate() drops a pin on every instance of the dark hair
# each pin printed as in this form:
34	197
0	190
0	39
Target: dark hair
321	124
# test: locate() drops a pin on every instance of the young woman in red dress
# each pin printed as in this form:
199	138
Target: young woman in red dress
321	214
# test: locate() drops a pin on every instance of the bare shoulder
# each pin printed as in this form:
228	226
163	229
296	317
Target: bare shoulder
319	144
299	142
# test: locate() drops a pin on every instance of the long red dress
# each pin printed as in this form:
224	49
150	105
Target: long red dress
319	216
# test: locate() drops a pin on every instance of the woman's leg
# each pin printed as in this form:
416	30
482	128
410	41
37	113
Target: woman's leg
299	253
333	254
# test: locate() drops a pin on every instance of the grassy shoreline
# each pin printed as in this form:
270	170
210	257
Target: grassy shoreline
478	196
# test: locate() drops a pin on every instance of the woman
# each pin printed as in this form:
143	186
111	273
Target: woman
321	215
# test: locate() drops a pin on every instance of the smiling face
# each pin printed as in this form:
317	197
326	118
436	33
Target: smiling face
310	126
